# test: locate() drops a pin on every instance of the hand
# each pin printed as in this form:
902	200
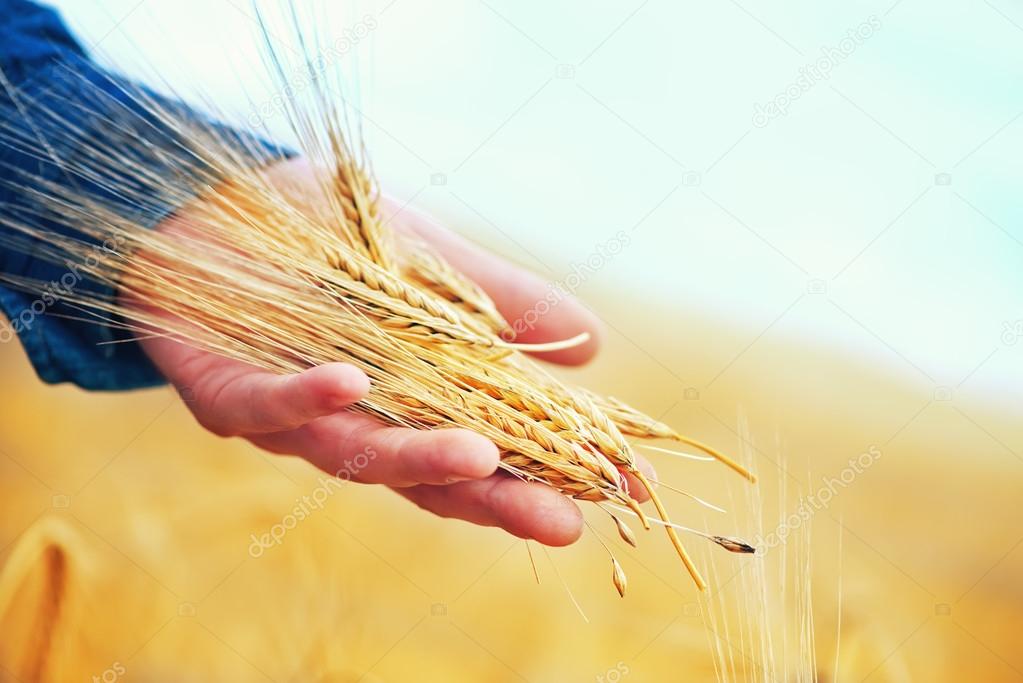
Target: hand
450	472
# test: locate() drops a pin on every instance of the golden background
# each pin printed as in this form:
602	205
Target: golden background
126	534
549	127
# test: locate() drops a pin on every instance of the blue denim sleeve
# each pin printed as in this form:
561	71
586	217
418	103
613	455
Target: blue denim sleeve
36	55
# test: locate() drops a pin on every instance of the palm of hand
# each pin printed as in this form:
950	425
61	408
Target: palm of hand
450	472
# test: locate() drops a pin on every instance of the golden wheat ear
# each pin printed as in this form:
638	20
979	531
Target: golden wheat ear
287	278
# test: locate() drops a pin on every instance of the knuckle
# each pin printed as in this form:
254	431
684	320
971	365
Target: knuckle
214	426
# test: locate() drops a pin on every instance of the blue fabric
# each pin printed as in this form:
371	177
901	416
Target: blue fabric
50	70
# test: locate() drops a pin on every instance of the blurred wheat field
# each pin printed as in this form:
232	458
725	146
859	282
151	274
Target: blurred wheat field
127	537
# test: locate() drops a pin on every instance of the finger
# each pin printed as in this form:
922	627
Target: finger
360	448
535	311
524	509
237	400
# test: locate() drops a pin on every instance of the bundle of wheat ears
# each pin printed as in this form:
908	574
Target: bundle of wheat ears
263	278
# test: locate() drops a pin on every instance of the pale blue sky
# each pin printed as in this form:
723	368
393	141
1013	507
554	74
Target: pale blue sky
556	125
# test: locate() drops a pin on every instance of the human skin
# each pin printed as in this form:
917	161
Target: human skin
449	472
